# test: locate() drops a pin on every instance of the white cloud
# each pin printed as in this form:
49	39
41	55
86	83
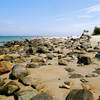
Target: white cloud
86	16
92	9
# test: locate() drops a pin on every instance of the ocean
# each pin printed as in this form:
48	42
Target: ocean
4	39
13	38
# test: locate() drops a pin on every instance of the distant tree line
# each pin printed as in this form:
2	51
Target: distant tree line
96	31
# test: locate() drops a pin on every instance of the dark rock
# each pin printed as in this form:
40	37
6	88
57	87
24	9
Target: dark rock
50	56
76	76
80	95
10	88
25	95
69	69
19	71
30	51
41	50
84	60
97	56
3	52
32	65
42	96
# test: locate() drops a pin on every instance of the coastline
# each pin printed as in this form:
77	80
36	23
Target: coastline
50	62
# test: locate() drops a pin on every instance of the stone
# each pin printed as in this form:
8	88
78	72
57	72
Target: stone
42	50
75	75
84	60
97	70
66	85
97	56
5	67
18	72
10	88
50	56
80	95
42	96
27	80
62	62
2	52
70	69
32	65
30	51
39	60
91	75
25	94
2	82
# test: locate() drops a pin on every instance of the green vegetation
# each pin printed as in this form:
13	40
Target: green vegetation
86	31
96	31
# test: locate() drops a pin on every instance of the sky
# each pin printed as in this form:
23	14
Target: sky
48	17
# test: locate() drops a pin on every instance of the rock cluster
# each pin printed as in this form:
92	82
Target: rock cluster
19	59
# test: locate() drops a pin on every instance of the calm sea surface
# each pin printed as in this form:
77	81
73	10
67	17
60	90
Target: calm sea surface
4	39
13	38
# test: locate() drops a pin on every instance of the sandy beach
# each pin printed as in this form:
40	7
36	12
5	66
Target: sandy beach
53	66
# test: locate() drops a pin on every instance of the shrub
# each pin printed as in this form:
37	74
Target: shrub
96	31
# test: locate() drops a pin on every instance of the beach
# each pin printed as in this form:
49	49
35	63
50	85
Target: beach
51	66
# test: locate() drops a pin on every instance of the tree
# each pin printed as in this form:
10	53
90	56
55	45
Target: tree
96	31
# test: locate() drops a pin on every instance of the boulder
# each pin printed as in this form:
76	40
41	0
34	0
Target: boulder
84	60
62	62
42	50
91	74
97	70
27	80
80	95
50	56
30	51
75	75
5	67
42	96
2	82
97	56
25	94
39	60
32	65
19	71
10	88
70	69
3	52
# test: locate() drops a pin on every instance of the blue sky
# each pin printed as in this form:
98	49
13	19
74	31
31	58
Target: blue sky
48	17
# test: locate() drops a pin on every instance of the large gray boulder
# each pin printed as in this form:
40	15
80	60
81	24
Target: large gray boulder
25	94
18	72
42	96
74	75
80	95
